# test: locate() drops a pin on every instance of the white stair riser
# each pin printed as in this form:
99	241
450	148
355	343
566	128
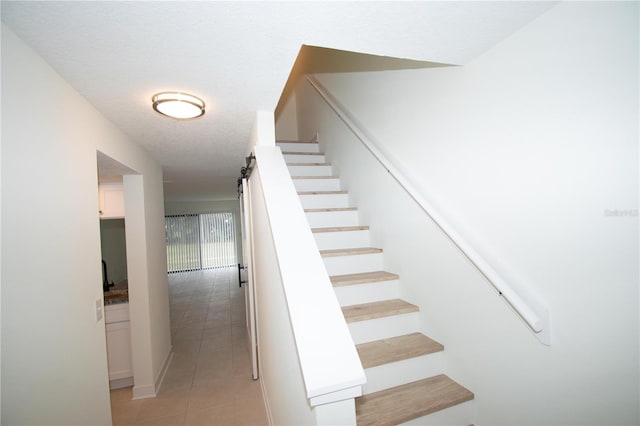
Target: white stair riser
325	184
402	372
333	219
458	415
318	201
298	147
384	328
353	264
310	170
304	158
357	294
342	239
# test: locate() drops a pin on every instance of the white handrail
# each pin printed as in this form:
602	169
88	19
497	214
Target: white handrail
536	319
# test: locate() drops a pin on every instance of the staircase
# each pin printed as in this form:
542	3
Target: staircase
405	383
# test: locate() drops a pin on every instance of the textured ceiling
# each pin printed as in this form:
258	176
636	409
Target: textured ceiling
237	56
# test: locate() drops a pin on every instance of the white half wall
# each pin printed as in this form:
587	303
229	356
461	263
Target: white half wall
279	367
531	150
308	363
54	364
278	364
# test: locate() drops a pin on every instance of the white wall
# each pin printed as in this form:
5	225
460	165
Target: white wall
54	367
177	207
287	121
526	148
147	274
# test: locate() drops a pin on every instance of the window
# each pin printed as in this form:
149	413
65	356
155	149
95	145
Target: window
200	241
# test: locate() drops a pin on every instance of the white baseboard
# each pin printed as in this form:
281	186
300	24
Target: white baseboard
163	370
143	391
151	391
124	382
266	402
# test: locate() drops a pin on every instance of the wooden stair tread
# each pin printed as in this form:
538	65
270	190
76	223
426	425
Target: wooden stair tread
361	278
331	209
316	142
301	153
349	251
309	164
410	401
385	308
396	348
340	229
315	177
321	192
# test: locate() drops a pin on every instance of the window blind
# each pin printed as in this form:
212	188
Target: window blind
200	241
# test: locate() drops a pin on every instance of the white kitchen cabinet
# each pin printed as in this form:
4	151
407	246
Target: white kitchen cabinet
119	345
111	198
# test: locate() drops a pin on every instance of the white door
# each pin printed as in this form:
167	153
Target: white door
247	254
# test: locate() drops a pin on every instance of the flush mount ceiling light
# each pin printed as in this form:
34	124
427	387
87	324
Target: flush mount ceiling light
181	106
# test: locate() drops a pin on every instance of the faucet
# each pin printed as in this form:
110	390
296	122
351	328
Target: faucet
105	278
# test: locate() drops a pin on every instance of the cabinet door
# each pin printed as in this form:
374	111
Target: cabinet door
119	350
111	201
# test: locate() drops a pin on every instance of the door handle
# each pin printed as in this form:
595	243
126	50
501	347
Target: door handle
240	281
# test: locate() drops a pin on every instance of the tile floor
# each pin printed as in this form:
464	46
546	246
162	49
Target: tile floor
209	379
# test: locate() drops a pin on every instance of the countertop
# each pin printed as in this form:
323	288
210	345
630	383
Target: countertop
119	293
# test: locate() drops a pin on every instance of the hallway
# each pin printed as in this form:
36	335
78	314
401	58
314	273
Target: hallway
209	379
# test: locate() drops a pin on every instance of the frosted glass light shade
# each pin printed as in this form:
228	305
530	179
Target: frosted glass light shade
178	105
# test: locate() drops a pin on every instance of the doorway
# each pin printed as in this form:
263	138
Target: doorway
115	283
